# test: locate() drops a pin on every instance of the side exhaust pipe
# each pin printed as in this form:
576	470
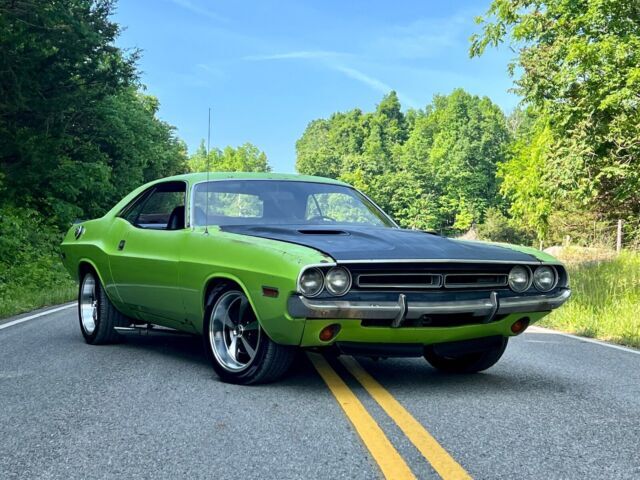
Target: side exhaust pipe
148	329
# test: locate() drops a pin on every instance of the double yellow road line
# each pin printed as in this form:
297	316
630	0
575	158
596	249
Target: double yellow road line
391	463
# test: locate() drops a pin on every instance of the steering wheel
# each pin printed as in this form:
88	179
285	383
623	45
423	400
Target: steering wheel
322	217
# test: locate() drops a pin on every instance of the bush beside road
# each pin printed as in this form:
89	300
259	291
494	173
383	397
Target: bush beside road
31	274
605	300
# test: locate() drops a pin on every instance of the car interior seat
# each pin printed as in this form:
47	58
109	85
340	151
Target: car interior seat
176	219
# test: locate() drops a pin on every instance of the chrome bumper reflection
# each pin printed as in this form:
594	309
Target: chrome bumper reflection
302	307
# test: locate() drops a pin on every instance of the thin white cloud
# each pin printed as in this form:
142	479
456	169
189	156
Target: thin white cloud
364	78
303	54
425	38
334	61
374	83
199	10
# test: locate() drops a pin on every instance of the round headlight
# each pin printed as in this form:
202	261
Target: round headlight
338	281
519	279
311	282
544	278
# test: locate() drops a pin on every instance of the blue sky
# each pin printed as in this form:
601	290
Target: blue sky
268	68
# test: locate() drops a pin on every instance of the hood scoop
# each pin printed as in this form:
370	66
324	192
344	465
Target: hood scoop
309	231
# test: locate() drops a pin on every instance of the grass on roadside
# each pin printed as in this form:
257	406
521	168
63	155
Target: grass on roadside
605	303
35	284
25	300
31	273
18	299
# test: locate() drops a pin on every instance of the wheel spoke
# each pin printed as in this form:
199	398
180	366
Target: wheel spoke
251	326
233	347
234	332
250	350
227	320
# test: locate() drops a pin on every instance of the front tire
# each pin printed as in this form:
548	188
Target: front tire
96	313
239	350
469	362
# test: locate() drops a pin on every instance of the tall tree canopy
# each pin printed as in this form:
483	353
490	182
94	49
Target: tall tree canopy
76	133
579	70
433	168
245	158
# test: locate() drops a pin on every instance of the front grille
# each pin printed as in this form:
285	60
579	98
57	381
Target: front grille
429	276
399	280
471	280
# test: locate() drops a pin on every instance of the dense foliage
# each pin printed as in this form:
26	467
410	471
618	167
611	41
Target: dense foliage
31	274
579	73
245	158
432	169
76	133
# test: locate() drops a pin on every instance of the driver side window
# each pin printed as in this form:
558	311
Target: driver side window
160	208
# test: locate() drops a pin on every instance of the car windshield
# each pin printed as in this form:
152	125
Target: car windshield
282	202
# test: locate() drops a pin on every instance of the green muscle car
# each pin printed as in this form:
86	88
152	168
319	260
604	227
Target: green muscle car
263	264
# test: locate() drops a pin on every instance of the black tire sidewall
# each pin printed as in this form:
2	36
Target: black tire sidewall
469	363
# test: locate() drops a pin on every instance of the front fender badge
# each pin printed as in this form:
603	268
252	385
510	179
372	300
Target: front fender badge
78	231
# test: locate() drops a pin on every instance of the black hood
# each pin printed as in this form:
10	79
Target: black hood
372	243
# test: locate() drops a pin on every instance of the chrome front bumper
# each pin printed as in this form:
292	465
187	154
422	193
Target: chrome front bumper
302	307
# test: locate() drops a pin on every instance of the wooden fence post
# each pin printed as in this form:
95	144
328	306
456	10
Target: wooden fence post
619	237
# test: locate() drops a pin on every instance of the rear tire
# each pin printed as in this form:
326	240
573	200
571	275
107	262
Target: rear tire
239	350
466	363
96	313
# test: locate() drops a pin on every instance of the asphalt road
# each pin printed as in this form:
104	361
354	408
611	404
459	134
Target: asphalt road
553	408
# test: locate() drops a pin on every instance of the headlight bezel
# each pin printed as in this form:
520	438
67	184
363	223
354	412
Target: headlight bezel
301	276
529	278
556	278
327	282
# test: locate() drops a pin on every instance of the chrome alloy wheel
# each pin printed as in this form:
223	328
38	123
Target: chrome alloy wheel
234	333
89	304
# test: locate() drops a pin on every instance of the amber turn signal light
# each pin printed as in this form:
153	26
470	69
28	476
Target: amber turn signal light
520	325
329	332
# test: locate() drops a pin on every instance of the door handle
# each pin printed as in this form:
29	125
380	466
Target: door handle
121	245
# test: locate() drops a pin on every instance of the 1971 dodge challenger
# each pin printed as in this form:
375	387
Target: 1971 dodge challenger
263	264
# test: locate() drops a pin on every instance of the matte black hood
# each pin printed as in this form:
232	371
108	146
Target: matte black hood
371	243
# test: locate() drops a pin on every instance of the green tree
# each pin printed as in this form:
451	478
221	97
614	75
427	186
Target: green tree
325	144
432	169
245	158
455	148
523	176
75	133
579	65
498	227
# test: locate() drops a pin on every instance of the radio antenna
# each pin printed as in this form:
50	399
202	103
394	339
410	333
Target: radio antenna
206	215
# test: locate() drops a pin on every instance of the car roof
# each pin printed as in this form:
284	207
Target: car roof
200	177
